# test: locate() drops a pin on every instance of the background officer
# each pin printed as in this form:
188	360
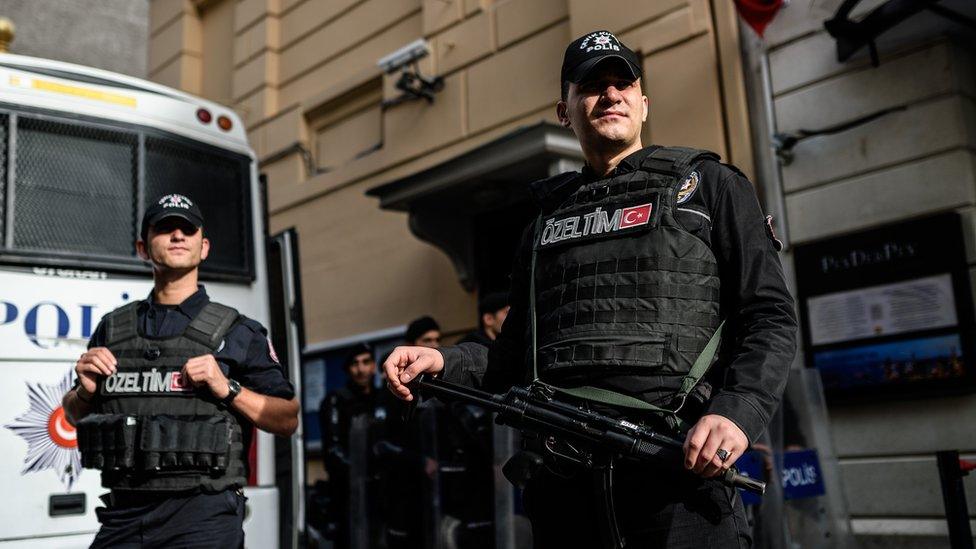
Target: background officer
635	270
196	376
492	310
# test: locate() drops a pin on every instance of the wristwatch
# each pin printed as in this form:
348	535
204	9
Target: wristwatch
233	389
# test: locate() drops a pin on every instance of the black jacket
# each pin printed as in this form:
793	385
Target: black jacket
760	338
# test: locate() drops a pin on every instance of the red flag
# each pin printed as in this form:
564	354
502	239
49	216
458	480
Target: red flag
758	13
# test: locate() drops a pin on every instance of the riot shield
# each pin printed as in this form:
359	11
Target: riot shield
358	501
815	509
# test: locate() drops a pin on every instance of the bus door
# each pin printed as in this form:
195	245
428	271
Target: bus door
288	339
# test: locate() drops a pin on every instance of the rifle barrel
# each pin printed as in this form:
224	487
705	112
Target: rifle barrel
519	409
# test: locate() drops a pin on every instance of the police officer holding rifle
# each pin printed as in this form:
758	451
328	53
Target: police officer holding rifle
648	289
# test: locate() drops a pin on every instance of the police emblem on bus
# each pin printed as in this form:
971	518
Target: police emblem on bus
52	442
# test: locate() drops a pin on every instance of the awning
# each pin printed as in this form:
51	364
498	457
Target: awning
444	200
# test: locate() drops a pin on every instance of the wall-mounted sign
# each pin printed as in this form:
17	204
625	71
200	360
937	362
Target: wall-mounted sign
888	311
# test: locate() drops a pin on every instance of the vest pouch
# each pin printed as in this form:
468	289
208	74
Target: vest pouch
617	352
107	441
185	443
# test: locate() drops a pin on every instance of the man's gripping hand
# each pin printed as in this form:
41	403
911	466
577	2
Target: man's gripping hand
711	433
94	363
406	363
204	370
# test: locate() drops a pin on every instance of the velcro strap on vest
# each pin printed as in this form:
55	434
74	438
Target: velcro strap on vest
122	324
629	291
675	161
631	265
211	325
630	316
638	354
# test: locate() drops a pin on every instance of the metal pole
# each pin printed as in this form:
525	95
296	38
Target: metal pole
954	497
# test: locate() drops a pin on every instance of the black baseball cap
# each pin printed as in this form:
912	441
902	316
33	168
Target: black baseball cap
171	205
588	51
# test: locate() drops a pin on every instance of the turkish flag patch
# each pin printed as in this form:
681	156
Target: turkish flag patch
635	215
177	383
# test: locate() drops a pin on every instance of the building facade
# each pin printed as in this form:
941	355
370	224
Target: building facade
407	207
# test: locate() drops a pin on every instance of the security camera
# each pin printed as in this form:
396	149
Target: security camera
411	53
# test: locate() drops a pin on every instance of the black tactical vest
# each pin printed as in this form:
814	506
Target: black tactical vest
150	430
621	291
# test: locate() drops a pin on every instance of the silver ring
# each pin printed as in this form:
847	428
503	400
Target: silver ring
722	454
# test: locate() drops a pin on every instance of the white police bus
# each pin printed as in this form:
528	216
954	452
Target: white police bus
81	152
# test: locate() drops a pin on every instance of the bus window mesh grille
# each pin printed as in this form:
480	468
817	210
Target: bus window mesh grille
74	188
218	185
4	143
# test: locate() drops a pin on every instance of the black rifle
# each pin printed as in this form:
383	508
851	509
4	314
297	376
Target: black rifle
533	409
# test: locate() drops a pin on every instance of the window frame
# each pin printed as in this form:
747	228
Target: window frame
131	264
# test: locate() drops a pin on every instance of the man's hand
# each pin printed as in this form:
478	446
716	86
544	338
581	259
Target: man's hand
94	363
204	370
406	363
711	433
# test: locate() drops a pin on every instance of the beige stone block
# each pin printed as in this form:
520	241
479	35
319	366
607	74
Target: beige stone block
287	5
667	31
440	14
682	86
169	74
279	132
257	106
351	62
192	74
864	430
417	126
588	15
259	72
463	44
380	168
287	171
263	36
806	61
803	17
472	7
895	486
163	12
183	73
349	138
310	15
415	279
900	81
183	36
346	32
920	131
935	184
217	52
735	101
516	19
249	12
495	91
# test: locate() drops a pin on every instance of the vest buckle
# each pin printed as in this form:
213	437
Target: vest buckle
152	353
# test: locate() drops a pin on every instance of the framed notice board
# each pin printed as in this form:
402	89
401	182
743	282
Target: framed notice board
889	311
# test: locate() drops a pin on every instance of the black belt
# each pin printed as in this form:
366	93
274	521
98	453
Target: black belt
139	498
